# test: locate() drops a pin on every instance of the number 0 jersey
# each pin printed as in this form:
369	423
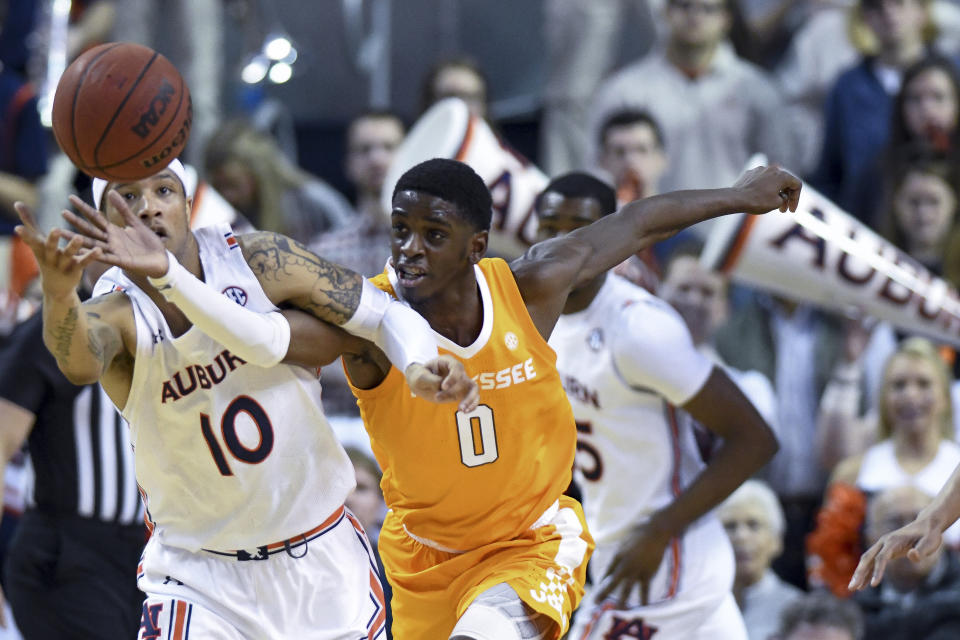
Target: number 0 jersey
228	455
459	481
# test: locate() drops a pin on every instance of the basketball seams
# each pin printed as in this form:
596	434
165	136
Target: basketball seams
76	97
183	90
124	106
116	113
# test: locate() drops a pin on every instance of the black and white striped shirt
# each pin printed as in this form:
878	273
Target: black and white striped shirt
79	445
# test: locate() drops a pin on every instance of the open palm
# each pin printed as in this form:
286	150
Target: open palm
133	247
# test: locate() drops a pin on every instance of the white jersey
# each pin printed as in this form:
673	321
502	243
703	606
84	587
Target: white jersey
228	455
626	361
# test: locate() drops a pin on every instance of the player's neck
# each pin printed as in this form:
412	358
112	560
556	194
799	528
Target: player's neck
580	299
189	257
456	312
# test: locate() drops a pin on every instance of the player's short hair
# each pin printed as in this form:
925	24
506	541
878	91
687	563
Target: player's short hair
821	608
454	182
629	117
578	184
759	492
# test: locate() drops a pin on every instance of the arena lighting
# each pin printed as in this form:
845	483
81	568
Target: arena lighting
255	70
280	73
274	61
277	47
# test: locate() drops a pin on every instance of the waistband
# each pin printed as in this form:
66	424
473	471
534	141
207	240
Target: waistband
264	552
542	521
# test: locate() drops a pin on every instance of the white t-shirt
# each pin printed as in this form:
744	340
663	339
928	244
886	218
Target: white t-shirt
228	455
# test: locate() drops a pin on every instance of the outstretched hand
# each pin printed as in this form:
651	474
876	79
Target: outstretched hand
769	188
61	268
133	247
442	380
635	565
916	541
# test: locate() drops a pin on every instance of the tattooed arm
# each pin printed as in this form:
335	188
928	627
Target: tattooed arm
84	338
291	274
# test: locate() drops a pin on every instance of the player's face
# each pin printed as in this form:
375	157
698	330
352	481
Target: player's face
632	152
755	544
370	150
930	104
925	207
160	202
699	295
697	23
913	398
558	215
432	244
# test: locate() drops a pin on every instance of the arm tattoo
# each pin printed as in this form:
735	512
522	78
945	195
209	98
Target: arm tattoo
63	334
102	344
335	291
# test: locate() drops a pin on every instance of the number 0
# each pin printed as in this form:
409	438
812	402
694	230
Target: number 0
474	450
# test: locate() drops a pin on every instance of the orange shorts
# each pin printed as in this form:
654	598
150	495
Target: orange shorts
546	566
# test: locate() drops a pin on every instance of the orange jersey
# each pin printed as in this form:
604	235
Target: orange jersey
459	481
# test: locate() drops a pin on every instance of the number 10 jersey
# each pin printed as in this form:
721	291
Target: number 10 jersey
228	455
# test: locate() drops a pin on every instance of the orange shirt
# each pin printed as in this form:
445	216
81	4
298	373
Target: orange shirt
464	480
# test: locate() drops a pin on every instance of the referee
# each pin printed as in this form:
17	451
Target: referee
71	567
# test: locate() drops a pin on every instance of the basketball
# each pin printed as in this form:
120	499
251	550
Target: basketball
121	112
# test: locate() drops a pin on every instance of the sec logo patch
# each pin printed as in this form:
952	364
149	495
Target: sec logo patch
511	340
236	294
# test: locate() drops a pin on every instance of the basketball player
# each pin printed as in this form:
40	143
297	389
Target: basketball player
628	362
241	476
479	542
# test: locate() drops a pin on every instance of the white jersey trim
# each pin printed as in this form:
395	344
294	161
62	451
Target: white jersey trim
442	341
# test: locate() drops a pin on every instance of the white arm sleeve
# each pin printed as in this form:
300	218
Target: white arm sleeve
259	338
402	333
653	350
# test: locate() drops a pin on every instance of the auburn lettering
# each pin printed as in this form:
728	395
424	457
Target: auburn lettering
186	381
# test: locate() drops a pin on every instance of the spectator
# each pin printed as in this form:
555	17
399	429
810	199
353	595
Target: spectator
701	297
634	159
248	169
914	426
716	109
632	154
456	77
924	124
892	35
797	348
917	599
820	616
921	218
754	521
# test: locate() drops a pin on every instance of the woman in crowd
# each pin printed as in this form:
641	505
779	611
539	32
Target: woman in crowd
915	447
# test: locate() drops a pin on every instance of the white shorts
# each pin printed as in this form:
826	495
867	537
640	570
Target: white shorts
690	595
322	585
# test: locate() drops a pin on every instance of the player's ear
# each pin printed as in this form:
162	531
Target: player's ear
478	246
